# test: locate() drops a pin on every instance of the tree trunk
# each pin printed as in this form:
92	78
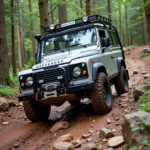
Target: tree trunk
13	39
52	12
44	18
126	17
81	6
4	59
62	11
88	7
22	47
120	23
32	30
143	29
147	15
19	47
109	9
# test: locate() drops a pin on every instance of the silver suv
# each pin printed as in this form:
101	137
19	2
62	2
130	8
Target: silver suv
74	60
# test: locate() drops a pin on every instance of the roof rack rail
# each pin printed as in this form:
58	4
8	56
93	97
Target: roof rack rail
78	22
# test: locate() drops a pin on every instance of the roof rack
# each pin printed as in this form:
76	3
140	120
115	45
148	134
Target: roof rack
79	22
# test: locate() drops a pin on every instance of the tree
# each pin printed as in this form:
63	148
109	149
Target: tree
32	29
44	18
120	21
88	7
147	14
143	27
52	11
21	33
13	38
62	11
126	18
4	59
109	9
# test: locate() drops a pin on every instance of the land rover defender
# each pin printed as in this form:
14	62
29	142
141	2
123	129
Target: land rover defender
75	60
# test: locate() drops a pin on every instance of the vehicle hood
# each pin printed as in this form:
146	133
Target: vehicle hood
66	57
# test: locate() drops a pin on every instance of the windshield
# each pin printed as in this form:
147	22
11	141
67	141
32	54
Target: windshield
70	40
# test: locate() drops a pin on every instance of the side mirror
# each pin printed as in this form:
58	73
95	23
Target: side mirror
37	37
106	41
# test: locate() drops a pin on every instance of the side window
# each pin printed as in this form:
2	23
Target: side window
110	38
102	35
115	39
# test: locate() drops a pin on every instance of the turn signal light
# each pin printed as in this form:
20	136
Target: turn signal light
84	72
22	84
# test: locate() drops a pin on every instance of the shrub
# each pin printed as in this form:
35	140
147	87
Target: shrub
6	90
29	64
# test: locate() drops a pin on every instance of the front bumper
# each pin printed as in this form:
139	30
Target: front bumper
69	90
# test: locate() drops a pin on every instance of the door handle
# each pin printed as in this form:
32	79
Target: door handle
112	57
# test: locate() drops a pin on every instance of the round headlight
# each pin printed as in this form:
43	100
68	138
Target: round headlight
29	81
76	71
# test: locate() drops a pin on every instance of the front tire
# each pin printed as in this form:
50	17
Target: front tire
101	95
36	111
121	82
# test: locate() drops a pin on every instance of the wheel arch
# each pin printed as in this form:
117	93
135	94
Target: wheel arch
120	63
98	67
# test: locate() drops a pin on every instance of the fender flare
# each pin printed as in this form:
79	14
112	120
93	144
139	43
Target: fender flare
98	67
120	62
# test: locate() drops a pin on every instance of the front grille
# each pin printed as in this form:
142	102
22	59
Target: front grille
51	75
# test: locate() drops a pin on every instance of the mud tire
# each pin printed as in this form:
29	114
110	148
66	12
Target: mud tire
121	82
36	111
101	95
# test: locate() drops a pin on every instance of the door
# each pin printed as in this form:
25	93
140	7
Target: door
106	53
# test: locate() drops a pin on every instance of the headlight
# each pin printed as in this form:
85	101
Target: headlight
76	71
29	81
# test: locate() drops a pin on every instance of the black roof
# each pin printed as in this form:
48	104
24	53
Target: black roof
103	21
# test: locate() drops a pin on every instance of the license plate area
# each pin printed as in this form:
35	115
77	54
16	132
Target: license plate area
50	94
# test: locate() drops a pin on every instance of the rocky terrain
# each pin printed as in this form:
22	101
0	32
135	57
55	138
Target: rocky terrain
76	127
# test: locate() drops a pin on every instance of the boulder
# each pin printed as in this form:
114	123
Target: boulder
106	133
89	146
146	51
139	91
130	122
64	138
116	141
63	146
4	105
61	125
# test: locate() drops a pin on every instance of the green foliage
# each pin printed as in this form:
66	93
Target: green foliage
28	45
29	64
6	90
143	55
133	148
144	102
145	144
142	126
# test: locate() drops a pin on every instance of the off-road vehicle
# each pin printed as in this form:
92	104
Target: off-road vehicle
74	60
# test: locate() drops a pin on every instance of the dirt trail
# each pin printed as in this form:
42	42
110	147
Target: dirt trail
36	136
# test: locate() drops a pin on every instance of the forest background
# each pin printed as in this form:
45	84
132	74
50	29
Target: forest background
20	20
